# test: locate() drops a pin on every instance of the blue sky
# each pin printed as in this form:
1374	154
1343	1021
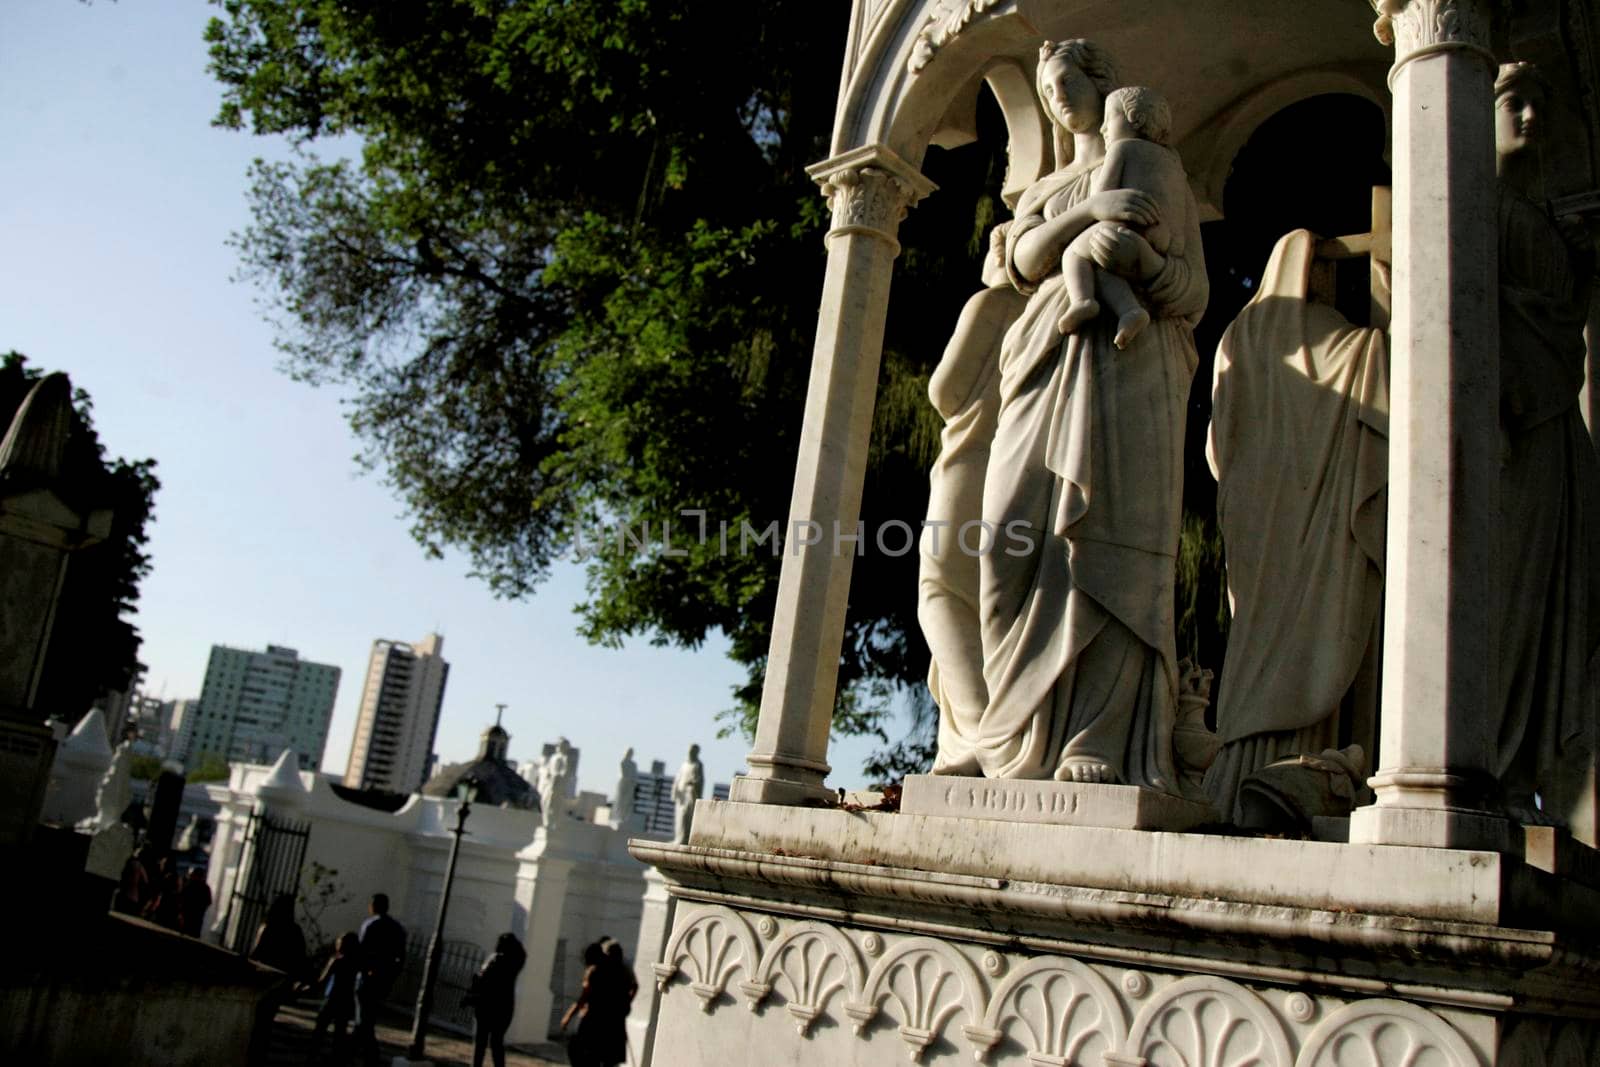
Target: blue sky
116	202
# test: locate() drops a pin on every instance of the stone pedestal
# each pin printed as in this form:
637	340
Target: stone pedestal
542	874
867	938
655	927
1124	807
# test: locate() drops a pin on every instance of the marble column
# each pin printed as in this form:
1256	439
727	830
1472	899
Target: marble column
1434	783
869	190
540	899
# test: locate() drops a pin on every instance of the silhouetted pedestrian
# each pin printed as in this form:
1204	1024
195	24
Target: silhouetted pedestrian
193	902
338	985
493	998
279	942
602	1010
383	949
162	904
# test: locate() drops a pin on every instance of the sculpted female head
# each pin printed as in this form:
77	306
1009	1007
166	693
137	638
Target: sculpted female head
1074	78
1520	92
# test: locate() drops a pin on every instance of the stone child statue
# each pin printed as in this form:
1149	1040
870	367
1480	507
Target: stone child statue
688	787
965	390
1547	576
1136	127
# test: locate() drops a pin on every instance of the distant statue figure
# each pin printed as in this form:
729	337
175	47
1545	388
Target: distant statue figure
1084	485
1137	123
1299	445
627	786
965	390
555	780
1547	576
687	787
115	791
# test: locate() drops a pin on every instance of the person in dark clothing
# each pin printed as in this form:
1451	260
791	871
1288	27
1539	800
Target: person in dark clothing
279	942
493	997
133	889
193	902
602	1010
383	950
338	986
163	903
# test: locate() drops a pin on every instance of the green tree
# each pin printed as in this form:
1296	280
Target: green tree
95	649
565	256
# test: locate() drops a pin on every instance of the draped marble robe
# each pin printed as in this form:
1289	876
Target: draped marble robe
1299	446
1548	578
1084	490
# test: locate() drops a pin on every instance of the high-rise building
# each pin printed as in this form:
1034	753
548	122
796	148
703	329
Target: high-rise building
255	704
399	716
181	717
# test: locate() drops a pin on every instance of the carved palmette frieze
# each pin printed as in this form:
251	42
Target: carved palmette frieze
944	23
1414	26
1376	1033
927	993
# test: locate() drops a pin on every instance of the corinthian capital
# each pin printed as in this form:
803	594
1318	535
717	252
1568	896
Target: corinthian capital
1417	25
870	189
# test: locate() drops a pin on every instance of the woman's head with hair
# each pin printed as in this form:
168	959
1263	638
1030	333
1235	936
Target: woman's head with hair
1520	93
349	944
508	945
1073	79
614	953
594	955
282	909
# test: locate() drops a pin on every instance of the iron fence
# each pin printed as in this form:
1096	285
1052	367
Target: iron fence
458	962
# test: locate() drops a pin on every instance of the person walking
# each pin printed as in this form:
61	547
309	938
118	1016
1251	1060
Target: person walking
279	942
602	1011
338	985
493	998
383	949
194	900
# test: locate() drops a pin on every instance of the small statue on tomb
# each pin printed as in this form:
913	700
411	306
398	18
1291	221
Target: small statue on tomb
555	780
627	786
688	787
965	390
1137	123
1548	575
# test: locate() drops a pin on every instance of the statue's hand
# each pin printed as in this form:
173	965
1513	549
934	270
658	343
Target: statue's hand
1124	253
1124	205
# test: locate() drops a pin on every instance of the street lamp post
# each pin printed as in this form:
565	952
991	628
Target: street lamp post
466	790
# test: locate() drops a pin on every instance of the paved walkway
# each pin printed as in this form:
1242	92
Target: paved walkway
293	1044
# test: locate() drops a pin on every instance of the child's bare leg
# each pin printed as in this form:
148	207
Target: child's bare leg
1079	271
1132	318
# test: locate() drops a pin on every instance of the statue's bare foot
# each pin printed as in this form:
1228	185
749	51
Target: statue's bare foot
1130	326
1077	313
1087	769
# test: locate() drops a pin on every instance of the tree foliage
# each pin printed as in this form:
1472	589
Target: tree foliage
565	255
94	648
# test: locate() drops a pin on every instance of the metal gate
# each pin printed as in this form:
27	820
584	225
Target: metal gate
458	963
274	850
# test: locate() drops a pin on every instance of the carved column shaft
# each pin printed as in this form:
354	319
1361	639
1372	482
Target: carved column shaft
1436	752
870	190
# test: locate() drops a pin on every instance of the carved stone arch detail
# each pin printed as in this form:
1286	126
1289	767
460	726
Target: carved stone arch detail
707	949
1061	1011
1377	1033
927	982
1203	1021
808	963
1208	153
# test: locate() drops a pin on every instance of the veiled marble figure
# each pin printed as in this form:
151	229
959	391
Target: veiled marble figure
1548	576
1084	481
965	390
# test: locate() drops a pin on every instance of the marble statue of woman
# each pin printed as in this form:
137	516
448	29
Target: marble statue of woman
1548	576
688	787
965	390
1084	485
1299	446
